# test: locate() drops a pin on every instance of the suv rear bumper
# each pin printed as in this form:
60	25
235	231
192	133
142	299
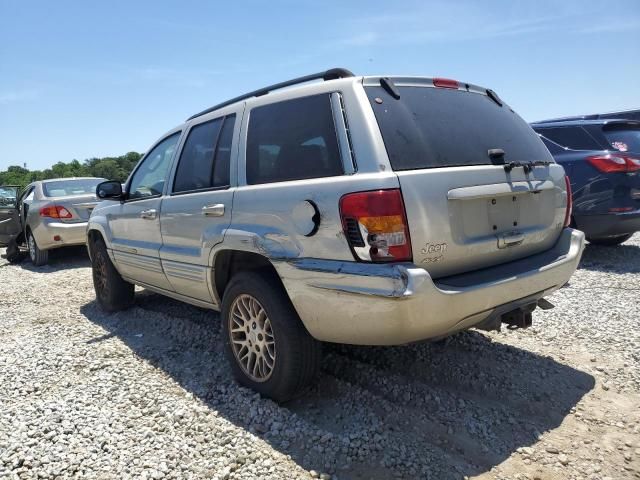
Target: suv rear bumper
366	304
609	224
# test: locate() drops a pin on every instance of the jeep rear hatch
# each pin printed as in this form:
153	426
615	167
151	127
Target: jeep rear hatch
449	143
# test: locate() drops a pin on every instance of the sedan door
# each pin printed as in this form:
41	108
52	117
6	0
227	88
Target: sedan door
135	223
197	212
9	216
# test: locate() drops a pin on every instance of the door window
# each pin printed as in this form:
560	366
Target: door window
8	196
292	140
28	194
204	161
149	178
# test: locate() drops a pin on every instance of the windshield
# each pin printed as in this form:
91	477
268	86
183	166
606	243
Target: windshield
623	139
436	127
66	188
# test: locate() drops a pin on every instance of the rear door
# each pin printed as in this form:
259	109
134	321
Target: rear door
197	211
9	217
465	209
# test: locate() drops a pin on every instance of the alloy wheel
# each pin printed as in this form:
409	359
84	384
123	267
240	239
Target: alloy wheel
251	337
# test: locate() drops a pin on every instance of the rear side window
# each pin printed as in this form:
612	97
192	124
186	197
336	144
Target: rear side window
436	127
575	138
623	138
292	140
204	161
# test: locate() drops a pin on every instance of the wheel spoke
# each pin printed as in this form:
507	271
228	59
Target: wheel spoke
253	346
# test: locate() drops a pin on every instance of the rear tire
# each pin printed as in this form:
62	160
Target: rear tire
610	241
38	257
268	347
112	291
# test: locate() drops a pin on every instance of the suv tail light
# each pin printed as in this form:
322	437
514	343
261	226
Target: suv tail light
614	163
55	211
375	225
569	212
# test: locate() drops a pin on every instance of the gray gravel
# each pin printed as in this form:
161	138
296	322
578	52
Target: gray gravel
147	393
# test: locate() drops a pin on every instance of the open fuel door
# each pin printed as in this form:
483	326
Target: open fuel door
9	217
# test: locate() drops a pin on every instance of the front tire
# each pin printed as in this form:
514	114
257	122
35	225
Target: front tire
610	241
38	257
112	291
268	347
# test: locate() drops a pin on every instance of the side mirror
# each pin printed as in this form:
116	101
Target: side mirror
110	190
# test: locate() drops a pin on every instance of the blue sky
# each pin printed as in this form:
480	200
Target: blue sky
83	79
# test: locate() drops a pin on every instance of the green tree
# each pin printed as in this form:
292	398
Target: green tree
112	168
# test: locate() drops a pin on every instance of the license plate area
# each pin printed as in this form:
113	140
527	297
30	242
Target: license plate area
503	213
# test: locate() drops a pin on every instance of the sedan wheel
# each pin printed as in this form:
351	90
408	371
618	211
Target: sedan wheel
38	257
32	249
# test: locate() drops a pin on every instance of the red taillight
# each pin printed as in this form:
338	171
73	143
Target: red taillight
375	225
445	83
614	163
633	163
568	213
55	211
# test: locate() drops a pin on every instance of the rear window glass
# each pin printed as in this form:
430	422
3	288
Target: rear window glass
575	138
66	188
435	127
292	140
623	139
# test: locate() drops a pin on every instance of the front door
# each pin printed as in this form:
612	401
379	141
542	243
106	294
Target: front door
9	217
197	211
135	223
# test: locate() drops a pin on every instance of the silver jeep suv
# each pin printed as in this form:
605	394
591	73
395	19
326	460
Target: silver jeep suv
361	210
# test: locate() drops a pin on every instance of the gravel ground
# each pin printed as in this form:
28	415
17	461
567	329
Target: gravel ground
147	393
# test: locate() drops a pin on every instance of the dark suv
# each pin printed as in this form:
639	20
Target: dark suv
602	159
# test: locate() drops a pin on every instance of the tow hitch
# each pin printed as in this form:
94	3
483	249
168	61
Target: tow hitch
520	317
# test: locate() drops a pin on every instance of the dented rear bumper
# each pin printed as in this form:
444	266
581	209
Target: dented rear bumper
367	304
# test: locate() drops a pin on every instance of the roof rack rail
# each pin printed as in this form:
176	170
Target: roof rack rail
330	74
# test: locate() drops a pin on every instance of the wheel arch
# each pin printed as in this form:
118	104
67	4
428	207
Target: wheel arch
228	262
94	233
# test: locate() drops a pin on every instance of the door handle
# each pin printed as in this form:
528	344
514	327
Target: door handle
216	210
149	214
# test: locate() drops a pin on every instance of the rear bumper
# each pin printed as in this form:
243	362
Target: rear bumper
608	225
364	304
69	233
